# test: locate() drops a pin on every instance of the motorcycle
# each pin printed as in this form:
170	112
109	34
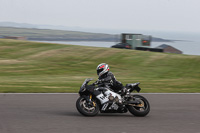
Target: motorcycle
109	101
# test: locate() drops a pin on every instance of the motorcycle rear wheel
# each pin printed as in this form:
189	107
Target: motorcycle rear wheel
85	108
140	110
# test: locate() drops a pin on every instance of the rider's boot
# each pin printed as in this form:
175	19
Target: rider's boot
124	91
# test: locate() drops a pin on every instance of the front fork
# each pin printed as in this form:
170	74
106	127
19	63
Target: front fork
89	100
94	104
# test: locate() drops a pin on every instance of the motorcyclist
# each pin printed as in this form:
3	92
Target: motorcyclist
106	78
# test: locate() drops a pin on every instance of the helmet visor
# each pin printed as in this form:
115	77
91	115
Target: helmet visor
99	71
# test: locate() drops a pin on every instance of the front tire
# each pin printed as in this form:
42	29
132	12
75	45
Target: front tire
85	108
140	110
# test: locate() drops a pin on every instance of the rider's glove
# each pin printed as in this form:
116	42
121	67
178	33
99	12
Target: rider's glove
99	81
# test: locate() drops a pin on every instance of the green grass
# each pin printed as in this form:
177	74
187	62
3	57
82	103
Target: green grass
41	67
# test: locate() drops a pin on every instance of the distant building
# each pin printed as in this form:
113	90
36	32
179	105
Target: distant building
169	49
131	41
143	42
162	48
15	37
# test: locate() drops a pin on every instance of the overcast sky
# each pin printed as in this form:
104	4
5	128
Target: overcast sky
157	15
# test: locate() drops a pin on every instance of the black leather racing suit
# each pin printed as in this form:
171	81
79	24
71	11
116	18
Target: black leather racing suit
110	80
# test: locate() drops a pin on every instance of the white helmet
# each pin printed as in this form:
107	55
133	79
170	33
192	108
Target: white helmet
102	69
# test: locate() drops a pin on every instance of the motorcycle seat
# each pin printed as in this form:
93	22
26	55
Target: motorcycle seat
132	85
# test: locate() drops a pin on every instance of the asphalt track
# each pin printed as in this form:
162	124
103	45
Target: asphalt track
56	113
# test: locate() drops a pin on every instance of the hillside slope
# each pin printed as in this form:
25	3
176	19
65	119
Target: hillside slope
63	35
55	35
42	67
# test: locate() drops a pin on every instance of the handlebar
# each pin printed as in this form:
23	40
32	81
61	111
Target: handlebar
95	83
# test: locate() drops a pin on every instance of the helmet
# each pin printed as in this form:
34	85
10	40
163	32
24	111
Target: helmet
102	69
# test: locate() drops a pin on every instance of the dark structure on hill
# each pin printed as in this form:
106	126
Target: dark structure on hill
162	48
15	37
169	49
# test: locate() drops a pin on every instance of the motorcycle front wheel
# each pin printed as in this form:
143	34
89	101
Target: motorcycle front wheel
141	109
87	108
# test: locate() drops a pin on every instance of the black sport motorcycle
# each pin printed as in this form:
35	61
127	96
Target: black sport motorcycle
109	101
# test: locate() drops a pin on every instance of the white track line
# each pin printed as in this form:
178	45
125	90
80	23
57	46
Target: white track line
77	93
37	93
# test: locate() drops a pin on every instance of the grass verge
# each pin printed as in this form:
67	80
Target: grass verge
41	67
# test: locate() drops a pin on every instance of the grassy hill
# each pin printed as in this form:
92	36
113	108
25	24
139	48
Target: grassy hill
41	67
55	35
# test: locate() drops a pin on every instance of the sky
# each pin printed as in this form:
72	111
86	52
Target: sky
150	15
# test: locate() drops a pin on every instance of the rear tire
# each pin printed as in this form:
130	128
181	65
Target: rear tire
139	110
85	109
